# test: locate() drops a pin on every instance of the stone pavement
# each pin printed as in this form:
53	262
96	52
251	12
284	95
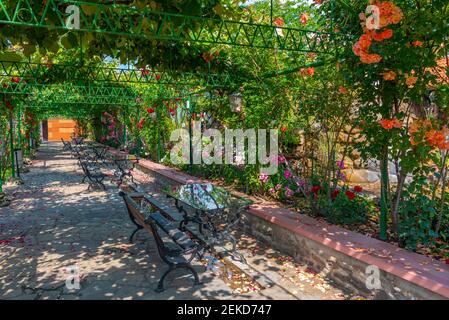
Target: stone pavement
54	226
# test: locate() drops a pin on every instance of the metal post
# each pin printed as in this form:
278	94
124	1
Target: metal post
19	129
1	181
158	136
11	144
124	136
124	129
17	164
190	109
138	135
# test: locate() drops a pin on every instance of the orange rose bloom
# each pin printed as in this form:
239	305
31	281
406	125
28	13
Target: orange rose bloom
389	75
411	81
386	34
389	13
417	43
370	58
343	90
439	139
389	124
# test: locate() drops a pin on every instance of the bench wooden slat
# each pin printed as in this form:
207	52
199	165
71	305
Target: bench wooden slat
172	213
179	237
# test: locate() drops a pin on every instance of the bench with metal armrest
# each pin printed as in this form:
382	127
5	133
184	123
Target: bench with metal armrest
124	168
154	222
93	174
67	146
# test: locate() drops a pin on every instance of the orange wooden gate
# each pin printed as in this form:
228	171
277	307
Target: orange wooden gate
60	128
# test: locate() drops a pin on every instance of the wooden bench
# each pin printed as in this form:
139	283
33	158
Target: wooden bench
155	221
174	214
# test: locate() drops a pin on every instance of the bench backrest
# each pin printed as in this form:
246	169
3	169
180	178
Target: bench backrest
134	211
136	215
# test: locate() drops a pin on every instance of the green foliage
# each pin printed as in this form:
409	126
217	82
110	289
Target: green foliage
418	214
344	211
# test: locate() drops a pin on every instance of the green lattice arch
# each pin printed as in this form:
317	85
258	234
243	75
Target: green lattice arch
143	23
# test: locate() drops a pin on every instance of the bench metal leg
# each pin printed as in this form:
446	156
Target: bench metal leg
131	238
102	184
160	286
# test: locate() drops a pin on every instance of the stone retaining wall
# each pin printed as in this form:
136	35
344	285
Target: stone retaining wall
346	271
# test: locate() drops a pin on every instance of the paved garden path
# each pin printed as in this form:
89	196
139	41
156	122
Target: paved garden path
54	225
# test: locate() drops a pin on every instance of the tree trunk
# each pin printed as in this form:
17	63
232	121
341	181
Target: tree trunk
384	194
397	202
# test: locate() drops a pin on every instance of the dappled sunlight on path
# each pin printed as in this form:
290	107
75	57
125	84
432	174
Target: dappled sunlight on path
54	225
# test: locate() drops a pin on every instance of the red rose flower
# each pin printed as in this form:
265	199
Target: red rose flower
315	189
350	195
310	71
279	22
358	189
144	72
335	194
157	77
150	110
283	129
141	122
9	105
15	79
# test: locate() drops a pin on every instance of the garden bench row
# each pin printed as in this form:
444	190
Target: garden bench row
92	158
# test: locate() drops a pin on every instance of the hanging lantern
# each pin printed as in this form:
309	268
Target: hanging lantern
236	101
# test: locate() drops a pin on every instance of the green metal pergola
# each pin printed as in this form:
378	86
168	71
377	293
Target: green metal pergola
87	86
35	72
132	21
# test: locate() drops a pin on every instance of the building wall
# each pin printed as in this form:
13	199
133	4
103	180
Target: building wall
60	128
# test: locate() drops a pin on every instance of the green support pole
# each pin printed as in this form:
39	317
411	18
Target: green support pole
158	151
11	144
124	129
1	180
124	136
19	129
158	137
190	109
138	136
